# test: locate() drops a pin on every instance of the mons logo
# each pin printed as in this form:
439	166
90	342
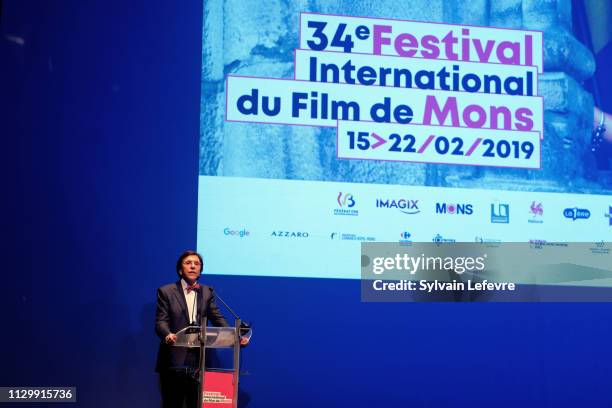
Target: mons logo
459	209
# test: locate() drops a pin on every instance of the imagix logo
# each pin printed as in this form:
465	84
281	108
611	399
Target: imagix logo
403	205
346	202
459	209
500	213
242	233
577	213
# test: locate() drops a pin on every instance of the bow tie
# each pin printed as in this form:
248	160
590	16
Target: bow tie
195	286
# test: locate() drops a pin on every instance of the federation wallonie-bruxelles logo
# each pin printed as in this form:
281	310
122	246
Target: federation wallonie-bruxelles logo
346	203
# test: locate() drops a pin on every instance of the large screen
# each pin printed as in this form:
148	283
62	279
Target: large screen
326	127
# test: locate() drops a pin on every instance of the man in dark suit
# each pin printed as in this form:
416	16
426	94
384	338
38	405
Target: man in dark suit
179	305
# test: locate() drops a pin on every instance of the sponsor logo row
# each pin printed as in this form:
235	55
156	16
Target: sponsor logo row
347	204
403	237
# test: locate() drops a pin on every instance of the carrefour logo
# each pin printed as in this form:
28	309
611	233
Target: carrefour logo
236	233
576	213
459	209
403	205
405	238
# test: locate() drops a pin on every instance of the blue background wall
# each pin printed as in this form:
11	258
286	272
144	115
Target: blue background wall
100	125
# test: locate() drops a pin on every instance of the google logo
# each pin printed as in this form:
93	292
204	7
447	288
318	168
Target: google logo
241	233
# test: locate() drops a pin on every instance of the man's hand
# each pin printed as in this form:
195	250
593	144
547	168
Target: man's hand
244	341
170	339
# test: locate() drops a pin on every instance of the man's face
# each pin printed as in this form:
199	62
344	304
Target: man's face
191	268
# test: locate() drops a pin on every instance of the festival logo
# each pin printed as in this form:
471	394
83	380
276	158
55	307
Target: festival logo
343	236
541	243
536	243
500	213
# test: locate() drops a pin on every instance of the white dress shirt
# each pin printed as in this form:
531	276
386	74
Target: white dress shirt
192	302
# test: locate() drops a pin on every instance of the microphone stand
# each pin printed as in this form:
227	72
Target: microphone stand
202	338
244	326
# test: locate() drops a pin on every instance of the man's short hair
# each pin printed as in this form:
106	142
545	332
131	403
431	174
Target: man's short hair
179	262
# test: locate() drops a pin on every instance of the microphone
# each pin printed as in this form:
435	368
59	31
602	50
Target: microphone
244	326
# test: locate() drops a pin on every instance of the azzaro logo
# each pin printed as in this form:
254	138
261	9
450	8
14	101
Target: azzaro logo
289	234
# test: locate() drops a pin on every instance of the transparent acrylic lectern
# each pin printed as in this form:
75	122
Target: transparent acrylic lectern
218	386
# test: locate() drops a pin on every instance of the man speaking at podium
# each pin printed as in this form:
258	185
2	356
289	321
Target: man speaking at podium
181	304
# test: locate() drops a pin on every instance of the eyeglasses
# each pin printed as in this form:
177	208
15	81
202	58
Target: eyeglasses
195	263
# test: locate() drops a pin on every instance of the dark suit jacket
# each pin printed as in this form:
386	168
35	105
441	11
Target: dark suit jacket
172	315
